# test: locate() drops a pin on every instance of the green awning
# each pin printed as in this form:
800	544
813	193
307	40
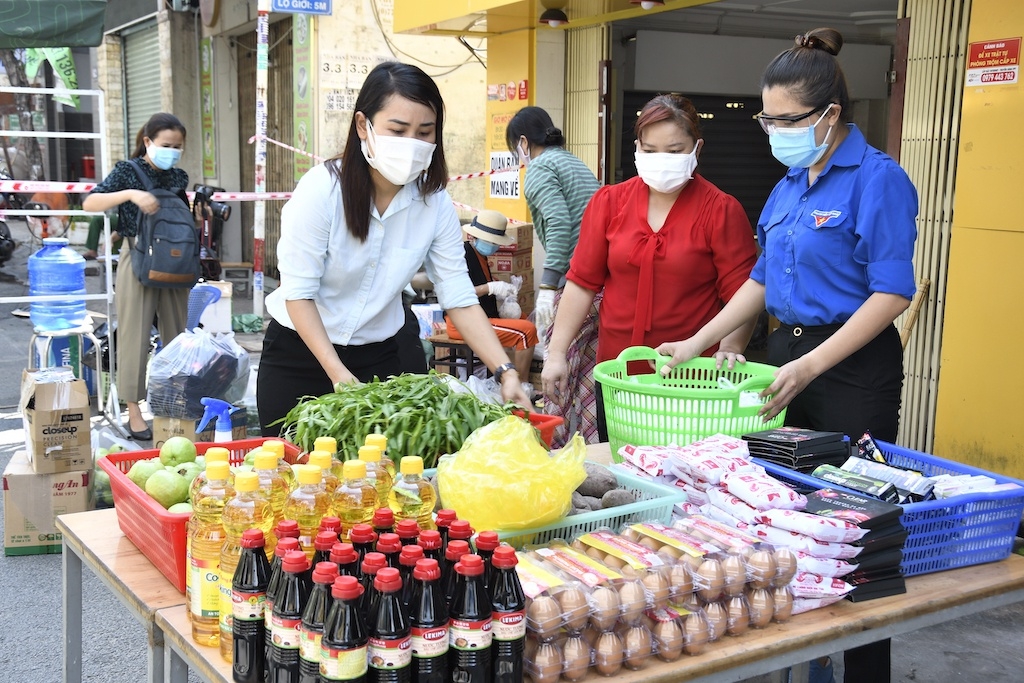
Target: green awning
51	23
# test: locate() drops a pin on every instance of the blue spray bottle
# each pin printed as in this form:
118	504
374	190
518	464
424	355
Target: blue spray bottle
216	408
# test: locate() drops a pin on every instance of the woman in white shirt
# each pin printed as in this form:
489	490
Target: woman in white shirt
354	233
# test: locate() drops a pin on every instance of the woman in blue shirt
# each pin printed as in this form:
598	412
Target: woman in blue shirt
838	236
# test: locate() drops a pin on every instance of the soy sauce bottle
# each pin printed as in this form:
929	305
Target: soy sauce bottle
291	599
486	542
390	545
407	530
313	617
324	541
428	622
383	521
459	530
284	545
444	520
508	617
452	554
411	554
469	626
373	563
344	555
390	647
343	647
362	538
430	541
248	599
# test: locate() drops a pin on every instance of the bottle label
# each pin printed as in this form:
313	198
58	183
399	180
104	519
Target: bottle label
469	635
248	606
342	665
284	633
205	588
508	625
390	653
429	642
309	644
268	614
226	607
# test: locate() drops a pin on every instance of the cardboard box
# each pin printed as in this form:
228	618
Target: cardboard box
527	300
430	318
166	427
57	415
522	233
33	501
217	316
518	263
528	279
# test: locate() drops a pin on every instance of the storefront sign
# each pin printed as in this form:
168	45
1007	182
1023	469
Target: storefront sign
505	184
301	6
302	102
206	118
993	62
342	75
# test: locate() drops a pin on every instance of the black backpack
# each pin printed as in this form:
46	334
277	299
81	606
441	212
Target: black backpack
166	251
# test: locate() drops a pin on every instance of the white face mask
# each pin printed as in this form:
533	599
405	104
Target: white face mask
400	160
524	157
665	172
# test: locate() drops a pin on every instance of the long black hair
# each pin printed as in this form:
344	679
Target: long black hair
353	171
811	72
536	124
156	123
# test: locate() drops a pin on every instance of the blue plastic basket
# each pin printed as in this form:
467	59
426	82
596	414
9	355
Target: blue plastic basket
972	528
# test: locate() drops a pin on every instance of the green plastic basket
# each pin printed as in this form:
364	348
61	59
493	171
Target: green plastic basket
694	401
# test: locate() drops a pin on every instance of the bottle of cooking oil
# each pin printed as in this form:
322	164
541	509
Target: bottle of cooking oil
214	454
412	496
307	505
323	460
355	498
329	444
249	509
273	486
207	538
276	446
381	442
377	473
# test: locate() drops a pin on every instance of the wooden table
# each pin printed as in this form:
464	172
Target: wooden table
94	538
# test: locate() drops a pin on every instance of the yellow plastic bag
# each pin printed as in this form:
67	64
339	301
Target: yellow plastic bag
504	478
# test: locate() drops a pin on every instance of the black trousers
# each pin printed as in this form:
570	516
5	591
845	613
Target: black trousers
861	393
289	370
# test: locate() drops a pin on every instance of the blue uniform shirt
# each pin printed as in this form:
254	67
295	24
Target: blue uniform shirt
830	246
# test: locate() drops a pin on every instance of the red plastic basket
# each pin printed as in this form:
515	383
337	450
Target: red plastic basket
160	534
546	425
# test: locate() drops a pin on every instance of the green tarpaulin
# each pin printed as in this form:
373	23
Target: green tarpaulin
51	23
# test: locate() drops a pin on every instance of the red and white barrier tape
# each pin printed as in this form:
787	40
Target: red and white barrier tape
272	141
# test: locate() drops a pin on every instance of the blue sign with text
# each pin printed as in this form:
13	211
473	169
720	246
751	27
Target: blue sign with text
301	6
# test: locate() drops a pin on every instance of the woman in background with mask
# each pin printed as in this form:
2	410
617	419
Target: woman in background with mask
667	247
158	146
354	233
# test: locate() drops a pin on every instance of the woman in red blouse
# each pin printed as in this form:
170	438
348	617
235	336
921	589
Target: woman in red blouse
668	248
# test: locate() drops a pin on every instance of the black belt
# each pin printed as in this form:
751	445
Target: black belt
800	330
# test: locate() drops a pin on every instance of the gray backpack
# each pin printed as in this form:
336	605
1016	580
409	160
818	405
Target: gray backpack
166	252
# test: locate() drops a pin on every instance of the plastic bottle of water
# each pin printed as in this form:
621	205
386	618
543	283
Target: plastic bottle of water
57	269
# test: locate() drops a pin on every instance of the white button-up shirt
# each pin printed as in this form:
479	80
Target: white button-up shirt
357	286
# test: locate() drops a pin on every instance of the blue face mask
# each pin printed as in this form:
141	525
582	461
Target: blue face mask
484	248
164	158
796	147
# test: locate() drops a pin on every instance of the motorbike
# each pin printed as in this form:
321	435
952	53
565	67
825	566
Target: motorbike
7	201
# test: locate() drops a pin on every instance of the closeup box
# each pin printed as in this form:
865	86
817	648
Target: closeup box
528	279
217	316
430	318
56	413
33	501
166	427
517	263
522	233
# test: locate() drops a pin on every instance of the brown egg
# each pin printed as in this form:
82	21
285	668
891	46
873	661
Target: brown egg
741	549
632	601
579	546
735	574
709	580
575	658
649	542
762	607
671	551
668	639
738	616
614	562
530	649
575	608
692	561
785	561
547	664
762	568
608	654
783	608
695	633
680	581
718	619
594	553
606	608
637	646
631	534
544	616
590	635
657	584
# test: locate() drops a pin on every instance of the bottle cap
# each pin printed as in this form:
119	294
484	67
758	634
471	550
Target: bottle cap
330	523
388	580
411	554
487	540
407	528
253	538
275	446
343	553
286	545
247	482
470	565
346	588
362	533
354	469
504	557
446	517
369	453
427	569
217	470
373	562
412	464
325	540
294	562
389	543
287	527
456	549
309	474
321	459
325	572
429	539
325	443
265	461
378	440
383	518
460	529
217	454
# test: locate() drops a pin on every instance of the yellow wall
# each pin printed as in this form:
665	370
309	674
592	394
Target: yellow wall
981	381
509	61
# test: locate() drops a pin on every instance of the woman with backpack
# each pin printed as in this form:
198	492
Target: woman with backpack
158	148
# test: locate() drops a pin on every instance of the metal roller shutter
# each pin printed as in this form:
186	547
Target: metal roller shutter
141	80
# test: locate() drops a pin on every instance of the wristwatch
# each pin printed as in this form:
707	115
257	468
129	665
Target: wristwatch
500	371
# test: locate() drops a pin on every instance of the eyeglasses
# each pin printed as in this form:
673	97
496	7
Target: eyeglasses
772	123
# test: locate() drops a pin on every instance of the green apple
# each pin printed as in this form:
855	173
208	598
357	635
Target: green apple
201	462
116	448
180	507
167	488
143	470
177	450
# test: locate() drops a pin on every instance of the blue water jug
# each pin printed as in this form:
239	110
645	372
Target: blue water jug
57	269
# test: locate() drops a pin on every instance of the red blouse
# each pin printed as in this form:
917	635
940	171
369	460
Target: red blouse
661	286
